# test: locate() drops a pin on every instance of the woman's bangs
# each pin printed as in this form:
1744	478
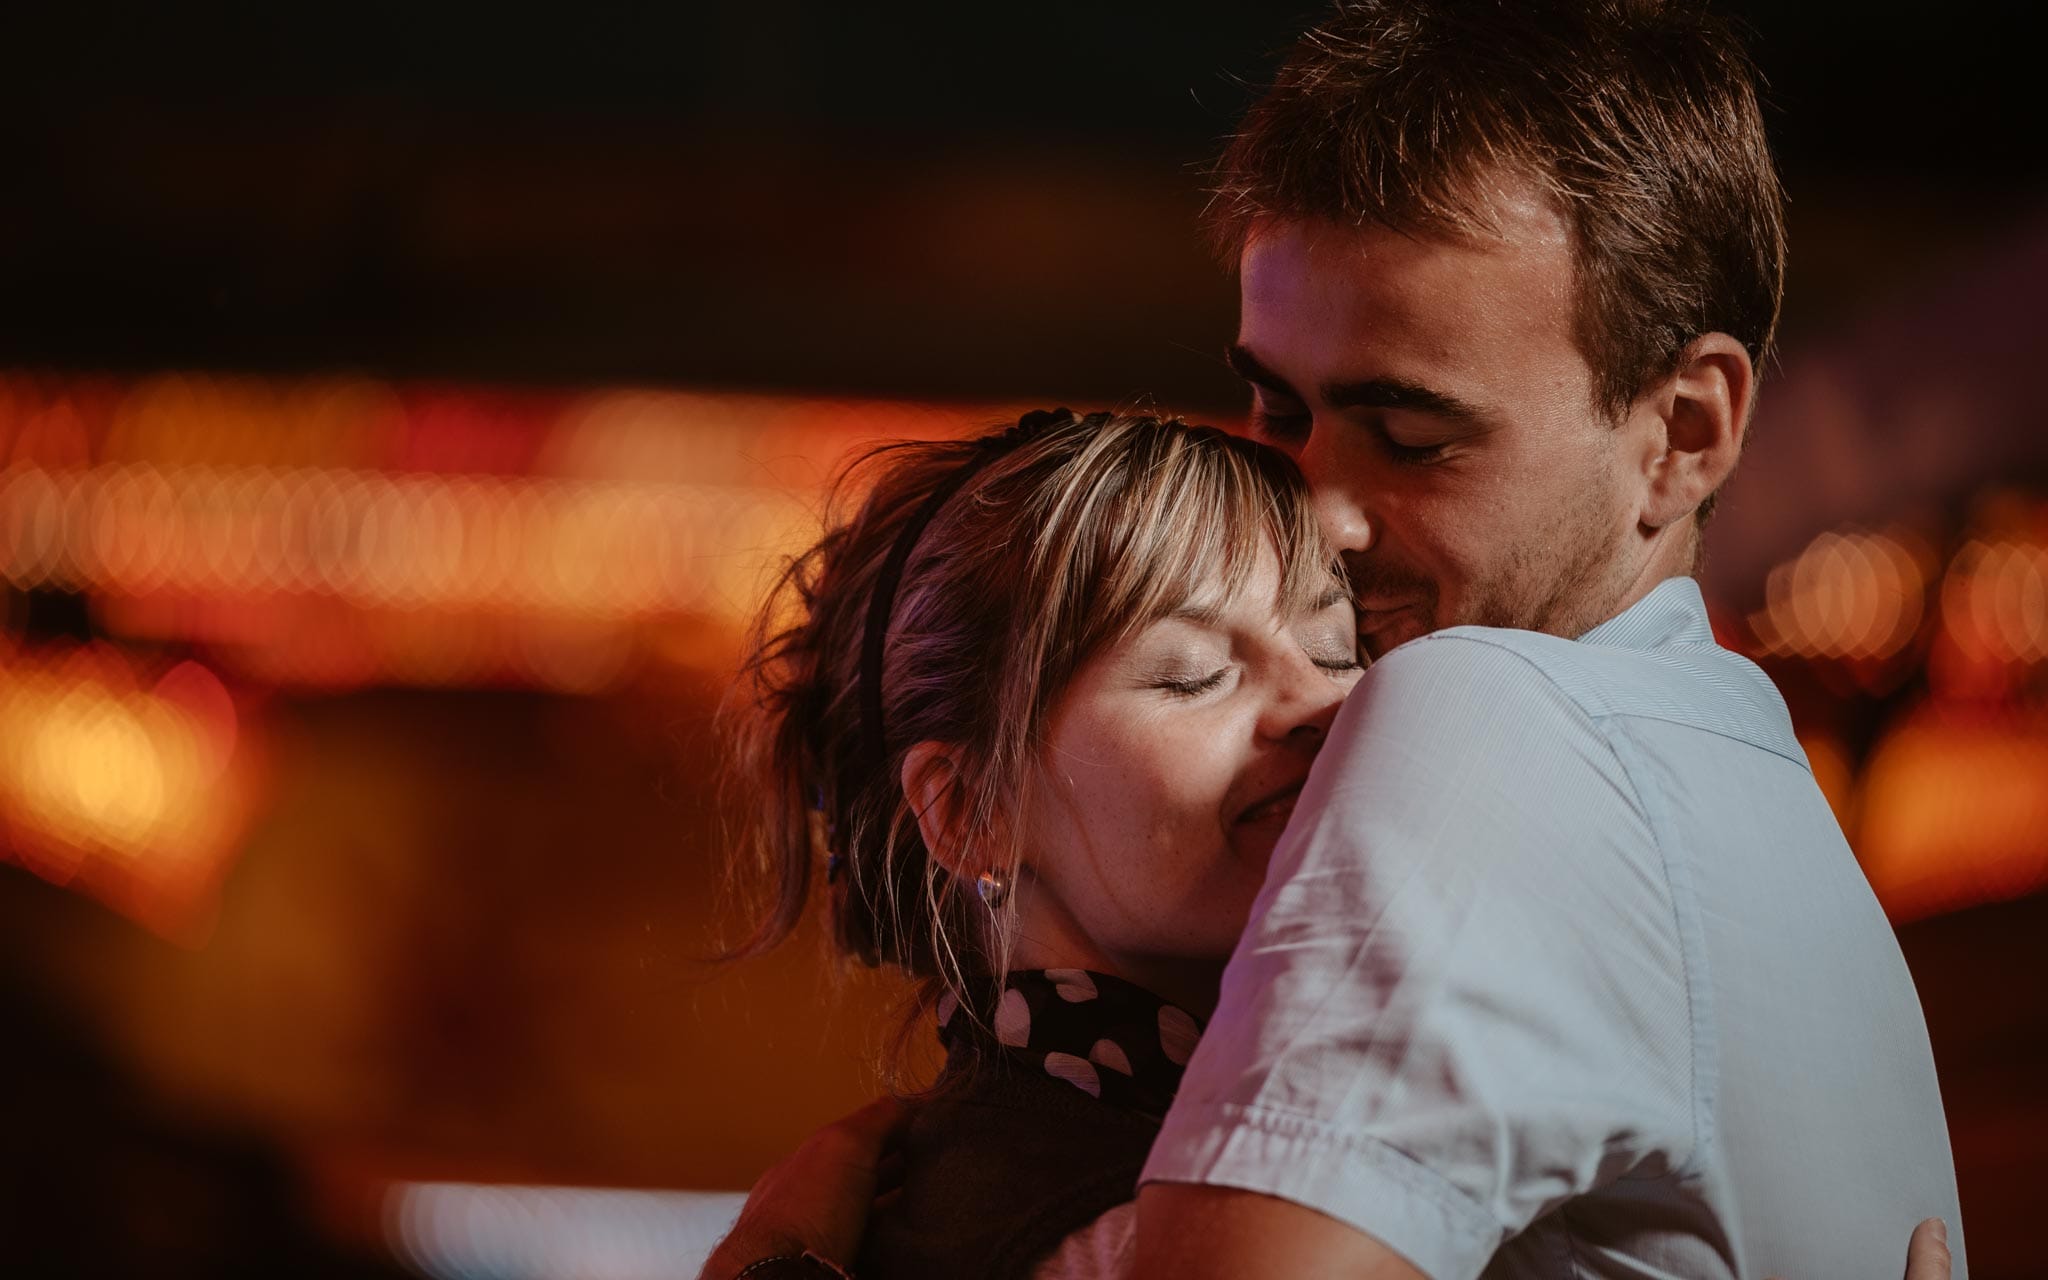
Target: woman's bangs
1309	566
1196	527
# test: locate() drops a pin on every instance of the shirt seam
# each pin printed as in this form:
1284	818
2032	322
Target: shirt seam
1597	709
1396	1163
1691	952
1782	754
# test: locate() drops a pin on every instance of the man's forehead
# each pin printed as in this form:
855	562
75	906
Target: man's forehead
1319	302
1528	237
1333	296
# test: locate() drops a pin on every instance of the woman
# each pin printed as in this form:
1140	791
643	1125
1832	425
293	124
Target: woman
1037	712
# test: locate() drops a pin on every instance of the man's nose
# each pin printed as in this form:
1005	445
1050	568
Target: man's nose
1339	506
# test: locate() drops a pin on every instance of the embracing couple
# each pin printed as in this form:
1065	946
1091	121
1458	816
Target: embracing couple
1530	949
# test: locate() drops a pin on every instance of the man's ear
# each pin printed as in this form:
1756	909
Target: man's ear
1698	416
930	783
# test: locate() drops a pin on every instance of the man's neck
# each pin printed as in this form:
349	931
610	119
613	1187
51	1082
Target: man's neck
1671	552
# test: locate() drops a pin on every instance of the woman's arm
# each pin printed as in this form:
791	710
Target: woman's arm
817	1199
1190	1232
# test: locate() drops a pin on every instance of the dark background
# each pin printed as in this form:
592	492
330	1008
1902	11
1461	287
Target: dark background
906	199
460	937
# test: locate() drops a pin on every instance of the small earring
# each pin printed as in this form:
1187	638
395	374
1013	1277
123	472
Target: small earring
992	889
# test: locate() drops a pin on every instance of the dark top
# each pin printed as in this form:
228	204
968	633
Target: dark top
1041	1123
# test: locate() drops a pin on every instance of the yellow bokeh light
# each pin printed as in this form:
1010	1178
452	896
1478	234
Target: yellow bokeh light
126	792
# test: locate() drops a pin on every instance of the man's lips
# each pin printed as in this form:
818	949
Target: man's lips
1374	618
1384	627
1372	609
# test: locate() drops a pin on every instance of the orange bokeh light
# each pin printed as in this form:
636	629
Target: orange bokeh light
1954	810
336	531
1854	596
134	794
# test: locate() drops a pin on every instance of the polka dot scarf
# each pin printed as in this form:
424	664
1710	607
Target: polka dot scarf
1106	1037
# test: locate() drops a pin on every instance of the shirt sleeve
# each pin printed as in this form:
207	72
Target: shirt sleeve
1462	996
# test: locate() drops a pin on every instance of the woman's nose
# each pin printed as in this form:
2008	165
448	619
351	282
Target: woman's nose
1314	723
1303	709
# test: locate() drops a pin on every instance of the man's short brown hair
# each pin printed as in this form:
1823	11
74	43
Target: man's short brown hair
1638	118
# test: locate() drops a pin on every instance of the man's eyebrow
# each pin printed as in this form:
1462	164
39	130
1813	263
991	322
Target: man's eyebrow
1371	393
1399	393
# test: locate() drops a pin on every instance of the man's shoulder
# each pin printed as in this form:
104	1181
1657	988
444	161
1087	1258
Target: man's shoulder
1536	648
1518	666
1466	691
1698	685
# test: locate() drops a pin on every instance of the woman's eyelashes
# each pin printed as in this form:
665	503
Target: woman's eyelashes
1189	686
1330	639
1336	664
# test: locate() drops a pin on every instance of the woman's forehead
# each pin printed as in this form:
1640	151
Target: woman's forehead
1262	597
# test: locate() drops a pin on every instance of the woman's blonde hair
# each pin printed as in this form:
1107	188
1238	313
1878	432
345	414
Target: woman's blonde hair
1068	534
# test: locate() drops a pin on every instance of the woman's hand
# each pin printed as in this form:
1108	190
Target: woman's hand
1927	1256
817	1198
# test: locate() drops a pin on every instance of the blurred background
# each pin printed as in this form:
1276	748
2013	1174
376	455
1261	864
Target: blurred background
401	406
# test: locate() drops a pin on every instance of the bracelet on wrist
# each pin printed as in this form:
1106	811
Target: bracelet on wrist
793	1266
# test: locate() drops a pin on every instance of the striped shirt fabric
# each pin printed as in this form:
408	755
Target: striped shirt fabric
1564	968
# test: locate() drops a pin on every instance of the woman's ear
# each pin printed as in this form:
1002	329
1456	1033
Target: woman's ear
930	783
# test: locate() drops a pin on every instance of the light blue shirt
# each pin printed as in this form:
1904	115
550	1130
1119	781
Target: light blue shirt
1564	968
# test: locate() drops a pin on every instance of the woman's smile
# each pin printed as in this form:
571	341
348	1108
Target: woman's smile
1274	810
1167	798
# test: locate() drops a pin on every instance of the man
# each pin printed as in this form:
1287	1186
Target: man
1563	966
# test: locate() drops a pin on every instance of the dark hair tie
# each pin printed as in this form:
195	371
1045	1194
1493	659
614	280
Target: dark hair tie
882	604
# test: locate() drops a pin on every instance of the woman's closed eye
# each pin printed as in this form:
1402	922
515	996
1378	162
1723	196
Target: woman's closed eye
1189	686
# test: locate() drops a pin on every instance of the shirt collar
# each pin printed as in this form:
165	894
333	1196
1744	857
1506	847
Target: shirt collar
1672	613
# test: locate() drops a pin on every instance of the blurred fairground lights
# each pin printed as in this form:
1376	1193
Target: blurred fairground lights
206	543
402	411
